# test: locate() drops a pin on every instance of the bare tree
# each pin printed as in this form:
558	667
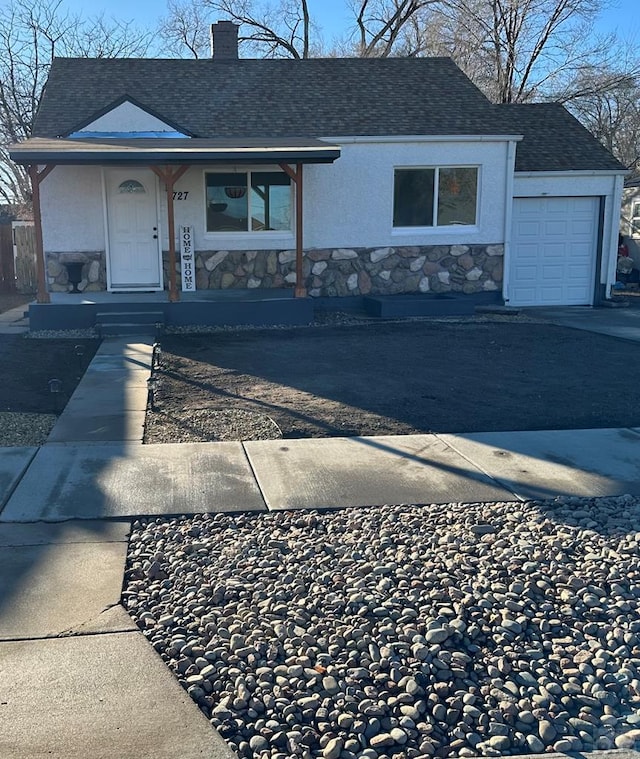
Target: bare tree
281	29
384	27
612	113
185	29
32	33
522	50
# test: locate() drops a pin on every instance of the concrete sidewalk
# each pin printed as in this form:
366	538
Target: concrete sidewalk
102	691
78	678
70	481
110	402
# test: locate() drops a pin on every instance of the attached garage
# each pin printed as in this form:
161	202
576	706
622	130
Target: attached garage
554	251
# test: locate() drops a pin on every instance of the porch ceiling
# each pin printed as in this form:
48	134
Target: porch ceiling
161	150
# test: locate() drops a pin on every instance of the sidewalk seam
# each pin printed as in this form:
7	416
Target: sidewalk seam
71	635
7	496
255	477
497	480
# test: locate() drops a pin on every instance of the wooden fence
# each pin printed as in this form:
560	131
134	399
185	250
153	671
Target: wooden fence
7	271
24	239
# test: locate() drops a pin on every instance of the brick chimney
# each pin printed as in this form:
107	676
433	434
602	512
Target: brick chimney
224	41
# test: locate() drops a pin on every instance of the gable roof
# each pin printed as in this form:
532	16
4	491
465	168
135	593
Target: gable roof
275	97
318	97
124	101
554	140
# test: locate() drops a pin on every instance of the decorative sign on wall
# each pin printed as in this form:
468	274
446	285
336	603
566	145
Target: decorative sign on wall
187	259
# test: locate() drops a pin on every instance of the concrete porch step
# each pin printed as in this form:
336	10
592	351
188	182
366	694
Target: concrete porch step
108	329
130	316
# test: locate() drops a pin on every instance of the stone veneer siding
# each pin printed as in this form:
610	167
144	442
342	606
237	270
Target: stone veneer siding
94	272
357	271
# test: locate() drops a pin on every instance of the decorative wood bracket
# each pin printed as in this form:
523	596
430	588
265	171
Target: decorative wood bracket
37	176
170	176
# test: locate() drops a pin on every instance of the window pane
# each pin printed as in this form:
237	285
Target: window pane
131	185
413	198
227	203
270	200
457	195
635	220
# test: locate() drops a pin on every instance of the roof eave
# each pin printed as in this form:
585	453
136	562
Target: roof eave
75	154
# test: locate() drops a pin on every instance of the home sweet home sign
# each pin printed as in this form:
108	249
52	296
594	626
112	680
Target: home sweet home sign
187	260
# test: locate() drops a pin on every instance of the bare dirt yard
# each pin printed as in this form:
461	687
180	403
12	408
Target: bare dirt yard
28	409
392	378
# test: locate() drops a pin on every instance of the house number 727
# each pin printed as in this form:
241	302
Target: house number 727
180	195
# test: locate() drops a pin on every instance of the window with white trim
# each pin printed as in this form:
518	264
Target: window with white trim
634	230
248	201
435	197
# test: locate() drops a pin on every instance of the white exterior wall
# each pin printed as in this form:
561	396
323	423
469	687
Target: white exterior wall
579	184
350	203
72	209
346	204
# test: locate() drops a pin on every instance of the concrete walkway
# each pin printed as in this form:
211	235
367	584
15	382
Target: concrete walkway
78	678
65	512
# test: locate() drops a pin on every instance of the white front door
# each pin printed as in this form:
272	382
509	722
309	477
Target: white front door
553	251
134	255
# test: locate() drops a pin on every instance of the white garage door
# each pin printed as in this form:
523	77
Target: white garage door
553	251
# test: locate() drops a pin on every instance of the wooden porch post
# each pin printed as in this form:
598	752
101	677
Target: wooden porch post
170	177
37	177
296	176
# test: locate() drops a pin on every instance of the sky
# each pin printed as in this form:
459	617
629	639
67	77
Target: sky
333	16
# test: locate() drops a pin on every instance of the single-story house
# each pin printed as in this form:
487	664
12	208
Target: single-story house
332	177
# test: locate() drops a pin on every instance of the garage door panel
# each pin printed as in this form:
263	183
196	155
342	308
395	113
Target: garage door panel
524	294
553	250
550	294
556	228
578	293
529	228
552	273
527	273
580	249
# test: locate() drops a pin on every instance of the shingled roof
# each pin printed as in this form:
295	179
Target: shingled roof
279	98
319	97
554	140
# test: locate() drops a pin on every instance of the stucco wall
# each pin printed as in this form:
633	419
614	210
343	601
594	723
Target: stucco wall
577	185
347	206
350	203
72	209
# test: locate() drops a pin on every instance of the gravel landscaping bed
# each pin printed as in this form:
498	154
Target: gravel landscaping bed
402	631
25	429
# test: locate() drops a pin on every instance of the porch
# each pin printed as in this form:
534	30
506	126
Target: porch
133	313
120	313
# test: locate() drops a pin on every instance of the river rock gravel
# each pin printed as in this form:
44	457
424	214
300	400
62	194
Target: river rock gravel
401	632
